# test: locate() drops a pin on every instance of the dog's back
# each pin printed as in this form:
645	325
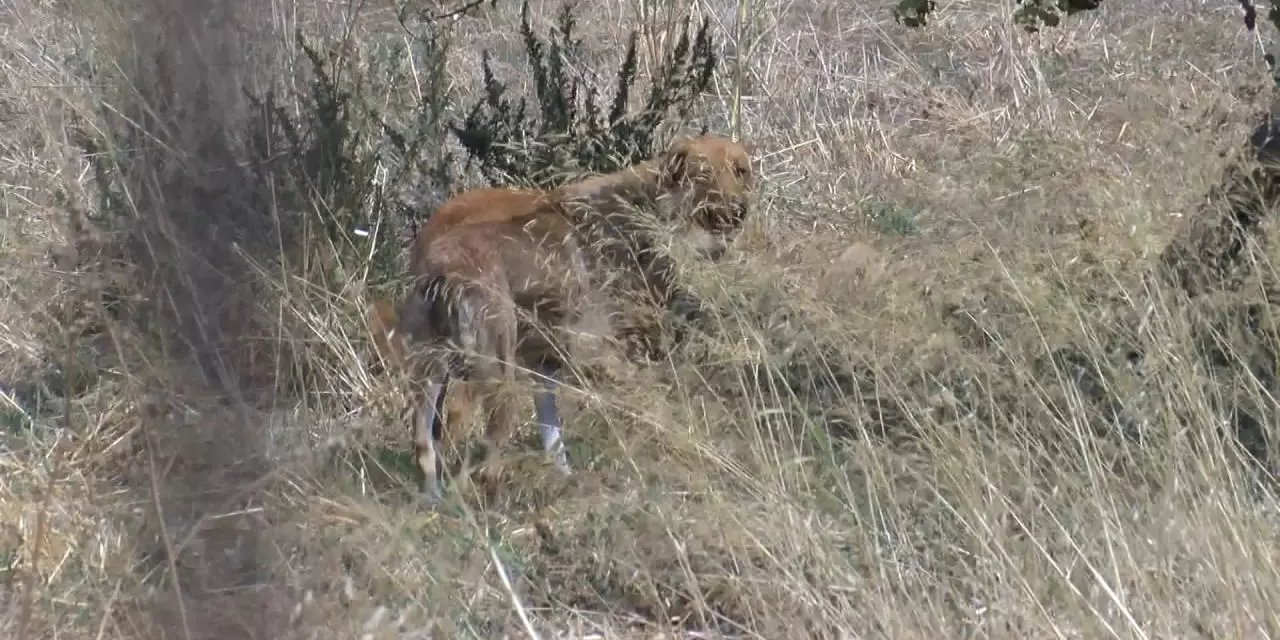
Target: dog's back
478	206
469	275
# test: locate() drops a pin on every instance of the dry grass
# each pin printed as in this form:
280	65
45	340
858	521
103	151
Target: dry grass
910	422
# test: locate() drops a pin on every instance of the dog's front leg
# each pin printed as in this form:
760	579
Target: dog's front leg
549	423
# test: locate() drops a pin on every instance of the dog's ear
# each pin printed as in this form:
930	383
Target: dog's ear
675	164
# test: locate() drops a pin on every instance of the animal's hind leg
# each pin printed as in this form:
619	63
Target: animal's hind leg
426	440
550	427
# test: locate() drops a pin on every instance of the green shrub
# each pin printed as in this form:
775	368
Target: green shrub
571	127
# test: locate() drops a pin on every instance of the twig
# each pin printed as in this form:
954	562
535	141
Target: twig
515	600
170	549
24	619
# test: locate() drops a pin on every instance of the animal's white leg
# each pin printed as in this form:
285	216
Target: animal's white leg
549	424
426	438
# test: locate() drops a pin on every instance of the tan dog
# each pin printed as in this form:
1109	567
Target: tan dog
501	273
720	179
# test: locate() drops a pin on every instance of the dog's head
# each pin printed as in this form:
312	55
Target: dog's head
711	179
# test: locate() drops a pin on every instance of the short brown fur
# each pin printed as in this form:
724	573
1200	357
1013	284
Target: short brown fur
501	272
724	171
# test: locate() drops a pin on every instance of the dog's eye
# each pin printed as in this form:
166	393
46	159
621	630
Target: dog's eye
741	171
